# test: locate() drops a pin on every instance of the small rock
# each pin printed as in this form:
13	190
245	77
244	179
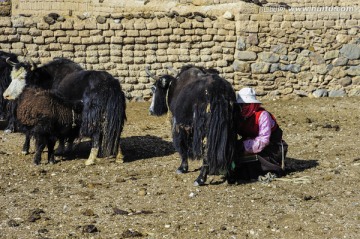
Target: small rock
118	211
320	93
89	229
167	225
13	223
88	212
337	93
142	192
192	195
131	233
101	19
180	19
49	20
35	215
199	19
228	15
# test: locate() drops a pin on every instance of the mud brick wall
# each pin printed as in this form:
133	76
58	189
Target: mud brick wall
280	52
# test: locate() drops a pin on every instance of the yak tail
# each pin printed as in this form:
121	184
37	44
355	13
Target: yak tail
104	115
214	133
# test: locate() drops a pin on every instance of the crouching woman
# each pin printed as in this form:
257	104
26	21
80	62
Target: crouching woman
261	149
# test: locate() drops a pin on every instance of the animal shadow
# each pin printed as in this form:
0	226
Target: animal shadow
299	165
144	147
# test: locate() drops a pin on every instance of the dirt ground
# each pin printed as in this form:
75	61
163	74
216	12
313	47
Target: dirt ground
144	197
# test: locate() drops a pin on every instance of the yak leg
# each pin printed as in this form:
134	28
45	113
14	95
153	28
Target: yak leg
40	143
61	148
119	156
50	145
201	179
180	139
203	174
94	150
26	145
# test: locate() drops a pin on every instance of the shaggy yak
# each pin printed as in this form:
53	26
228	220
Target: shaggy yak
102	101
202	108
47	118
7	108
47	76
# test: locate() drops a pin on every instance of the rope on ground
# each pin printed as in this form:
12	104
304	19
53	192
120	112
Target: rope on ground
269	177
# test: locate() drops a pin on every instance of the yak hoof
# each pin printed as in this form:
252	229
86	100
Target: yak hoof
199	182
89	162
24	152
181	170
8	131
119	158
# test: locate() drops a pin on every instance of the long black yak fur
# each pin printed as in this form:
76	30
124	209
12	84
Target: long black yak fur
7	108
104	106
202	107
49	76
47	118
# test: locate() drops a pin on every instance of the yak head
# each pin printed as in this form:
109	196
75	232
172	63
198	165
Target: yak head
159	93
19	75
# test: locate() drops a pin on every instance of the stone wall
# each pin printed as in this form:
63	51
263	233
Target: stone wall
278	51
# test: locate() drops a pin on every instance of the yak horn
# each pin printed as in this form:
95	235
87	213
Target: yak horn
172	70
147	70
11	63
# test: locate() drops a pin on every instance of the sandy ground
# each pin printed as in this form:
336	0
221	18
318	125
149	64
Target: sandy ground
143	197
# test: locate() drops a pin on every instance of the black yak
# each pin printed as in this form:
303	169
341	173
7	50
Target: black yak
7	108
202	108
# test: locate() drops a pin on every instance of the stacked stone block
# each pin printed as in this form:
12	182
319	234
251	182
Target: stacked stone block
279	53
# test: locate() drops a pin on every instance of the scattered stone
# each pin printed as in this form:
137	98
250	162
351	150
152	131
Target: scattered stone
316	58
180	19
337	93
353	70
89	229
246	55
341	61
35	215
88	212
301	93
351	51
199	19
118	211
308	197
241	66
131	233
331	55
49	20
142	192
228	15
240	44
274	67
279	49
354	92
260	67
345	81
101	19
320	93
13	223
269	57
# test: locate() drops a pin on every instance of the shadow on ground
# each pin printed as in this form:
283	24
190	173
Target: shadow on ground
144	147
299	165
